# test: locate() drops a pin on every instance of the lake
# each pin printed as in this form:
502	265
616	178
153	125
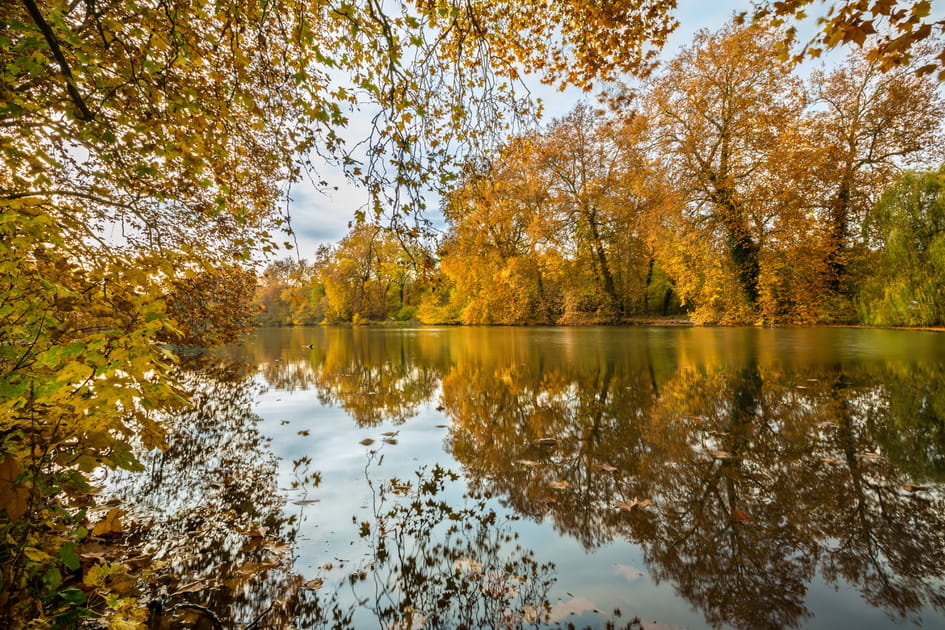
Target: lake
541	477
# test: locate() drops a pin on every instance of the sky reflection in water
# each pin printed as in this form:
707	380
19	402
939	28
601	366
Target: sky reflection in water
767	478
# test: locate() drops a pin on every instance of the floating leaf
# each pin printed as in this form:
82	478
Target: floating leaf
548	441
527	462
466	564
632	504
831	461
366	442
559	485
911	487
315	584
196	586
529	614
304	432
723	455
111	524
608	468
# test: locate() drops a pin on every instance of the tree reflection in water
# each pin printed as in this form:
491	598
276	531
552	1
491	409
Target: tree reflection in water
438	565
215	528
219	541
374	378
758	477
761	473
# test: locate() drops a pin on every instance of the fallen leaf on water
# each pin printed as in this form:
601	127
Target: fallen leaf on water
92	550
283	422
549	441
466	564
303	432
366	442
740	516
870	455
442	426
192	587
631	504
608	468
831	461
722	455
314	584
390	433
111	524
254	568
526	462
440	407
390	441
278	548
306	501
559	485
911	487
138	562
529	614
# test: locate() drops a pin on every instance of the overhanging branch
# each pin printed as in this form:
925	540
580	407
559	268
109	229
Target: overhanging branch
84	113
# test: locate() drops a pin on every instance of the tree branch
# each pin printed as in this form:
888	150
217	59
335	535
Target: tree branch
66	193
84	113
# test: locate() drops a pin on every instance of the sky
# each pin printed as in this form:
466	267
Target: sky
323	218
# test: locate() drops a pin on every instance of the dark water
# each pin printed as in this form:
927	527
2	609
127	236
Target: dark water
508	477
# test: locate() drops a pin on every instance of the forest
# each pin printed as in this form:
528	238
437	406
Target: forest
726	188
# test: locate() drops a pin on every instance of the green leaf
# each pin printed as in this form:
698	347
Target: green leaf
70	559
73	595
52	578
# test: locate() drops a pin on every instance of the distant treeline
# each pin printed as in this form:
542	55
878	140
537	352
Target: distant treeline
725	187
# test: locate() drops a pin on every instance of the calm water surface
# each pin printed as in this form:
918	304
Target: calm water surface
509	477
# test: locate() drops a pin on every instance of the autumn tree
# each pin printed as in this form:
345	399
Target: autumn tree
371	274
589	177
290	292
212	307
889	31
499	253
719	110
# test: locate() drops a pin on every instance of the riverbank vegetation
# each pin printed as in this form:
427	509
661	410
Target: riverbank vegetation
726	187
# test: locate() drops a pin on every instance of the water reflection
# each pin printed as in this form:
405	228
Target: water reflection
745	464
373	378
438	565
213	529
